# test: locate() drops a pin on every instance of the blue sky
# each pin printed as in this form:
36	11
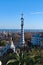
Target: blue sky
10	14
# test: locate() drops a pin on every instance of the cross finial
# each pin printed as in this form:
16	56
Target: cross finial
22	15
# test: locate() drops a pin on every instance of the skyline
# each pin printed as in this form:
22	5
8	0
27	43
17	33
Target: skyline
11	10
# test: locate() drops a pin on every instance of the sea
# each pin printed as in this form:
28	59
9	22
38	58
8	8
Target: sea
19	30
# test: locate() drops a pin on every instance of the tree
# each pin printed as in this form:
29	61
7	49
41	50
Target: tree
24	59
3	43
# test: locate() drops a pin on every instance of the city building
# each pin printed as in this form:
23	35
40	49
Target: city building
35	39
41	40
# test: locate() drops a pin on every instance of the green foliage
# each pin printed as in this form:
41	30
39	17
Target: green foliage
3	43
24	58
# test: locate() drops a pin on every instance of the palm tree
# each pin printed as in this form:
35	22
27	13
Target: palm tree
24	58
19	60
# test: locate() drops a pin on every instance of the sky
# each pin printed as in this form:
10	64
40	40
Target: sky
11	10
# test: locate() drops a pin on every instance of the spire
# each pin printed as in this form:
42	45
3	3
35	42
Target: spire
22	29
22	15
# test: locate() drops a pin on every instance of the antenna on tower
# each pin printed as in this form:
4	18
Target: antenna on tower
22	15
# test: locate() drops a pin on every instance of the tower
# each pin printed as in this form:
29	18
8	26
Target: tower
22	30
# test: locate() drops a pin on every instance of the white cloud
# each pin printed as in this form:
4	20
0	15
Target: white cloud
37	13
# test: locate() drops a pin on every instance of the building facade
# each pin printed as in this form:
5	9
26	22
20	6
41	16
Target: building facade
35	39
